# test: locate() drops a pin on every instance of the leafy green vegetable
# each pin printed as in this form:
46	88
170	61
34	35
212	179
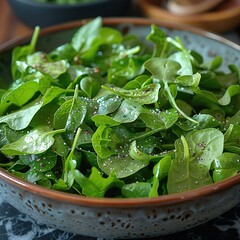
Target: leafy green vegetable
20	119
36	141
21	53
225	166
105	115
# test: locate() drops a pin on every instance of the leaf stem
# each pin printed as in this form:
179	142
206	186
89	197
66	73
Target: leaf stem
34	39
174	104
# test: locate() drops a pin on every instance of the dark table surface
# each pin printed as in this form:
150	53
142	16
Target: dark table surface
17	226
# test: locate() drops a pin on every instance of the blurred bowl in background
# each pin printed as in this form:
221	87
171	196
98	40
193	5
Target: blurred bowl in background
221	19
34	13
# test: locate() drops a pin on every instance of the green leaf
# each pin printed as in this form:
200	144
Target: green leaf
215	63
19	96
183	58
40	163
159	38
124	70
52	93
204	121
84	37
20	119
54	69
71	113
225	166
140	156
108	104
160	171
191	81
136	190
138	82
194	156
35	142
230	92
232	139
159	120
72	162
128	111
185	174
35	176
146	95
65	51
96	185
21	52
90	86
121	163
104	120
204	145
103	142
165	71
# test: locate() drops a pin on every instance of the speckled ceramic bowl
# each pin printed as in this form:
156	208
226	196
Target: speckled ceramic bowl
123	218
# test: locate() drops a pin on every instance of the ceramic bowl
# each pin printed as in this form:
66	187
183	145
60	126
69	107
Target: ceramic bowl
123	218
34	13
221	19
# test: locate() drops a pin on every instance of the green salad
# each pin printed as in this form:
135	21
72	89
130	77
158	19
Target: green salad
111	115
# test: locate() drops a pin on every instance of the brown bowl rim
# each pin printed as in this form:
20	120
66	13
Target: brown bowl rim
78	200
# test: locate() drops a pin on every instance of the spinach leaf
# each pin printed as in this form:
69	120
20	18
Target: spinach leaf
225	166
91	36
128	111
159	38
121	163
19	96
230	92
90	86
136	154
204	145
96	185
100	119
160	171
71	113
36	141
84	37
136	190
108	103
158	120
21	52
165	70
185	173
20	119
232	139
146	95
104	141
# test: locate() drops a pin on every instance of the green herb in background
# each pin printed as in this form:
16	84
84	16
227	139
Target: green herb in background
105	115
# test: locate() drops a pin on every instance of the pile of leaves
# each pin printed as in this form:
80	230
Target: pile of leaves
108	115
